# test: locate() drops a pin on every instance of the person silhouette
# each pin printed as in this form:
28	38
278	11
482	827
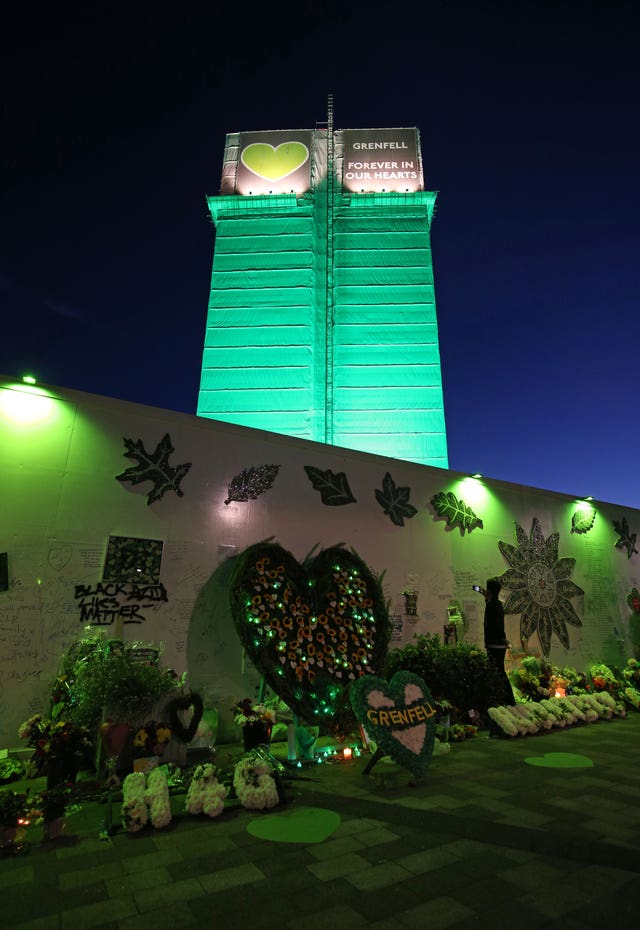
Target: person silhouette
495	640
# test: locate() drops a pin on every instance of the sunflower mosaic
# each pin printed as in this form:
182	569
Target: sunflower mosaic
540	585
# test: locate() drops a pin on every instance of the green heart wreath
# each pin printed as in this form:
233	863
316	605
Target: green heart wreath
184	702
399	715
310	629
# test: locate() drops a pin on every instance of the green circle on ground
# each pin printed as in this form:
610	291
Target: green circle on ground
560	760
298	825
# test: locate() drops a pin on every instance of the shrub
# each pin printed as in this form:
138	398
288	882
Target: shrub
461	674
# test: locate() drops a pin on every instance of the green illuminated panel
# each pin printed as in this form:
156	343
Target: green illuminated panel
279	291
387	377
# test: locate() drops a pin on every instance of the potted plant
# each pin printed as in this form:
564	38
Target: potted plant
256	721
106	679
52	806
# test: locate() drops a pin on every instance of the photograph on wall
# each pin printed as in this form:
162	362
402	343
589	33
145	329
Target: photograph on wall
133	560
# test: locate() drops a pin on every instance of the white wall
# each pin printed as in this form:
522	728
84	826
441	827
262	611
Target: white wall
60	502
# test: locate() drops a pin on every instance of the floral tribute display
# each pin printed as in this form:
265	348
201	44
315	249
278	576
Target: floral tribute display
55	739
254	783
535	717
309	629
540	585
144	799
400	716
206	795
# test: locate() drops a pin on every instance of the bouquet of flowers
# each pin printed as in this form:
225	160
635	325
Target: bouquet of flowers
604	678
246	712
205	794
254	783
151	739
52	737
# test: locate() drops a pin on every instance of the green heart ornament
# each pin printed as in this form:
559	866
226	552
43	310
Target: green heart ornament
399	716
272	163
311	629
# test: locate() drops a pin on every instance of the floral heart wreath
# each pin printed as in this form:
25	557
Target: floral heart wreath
310	629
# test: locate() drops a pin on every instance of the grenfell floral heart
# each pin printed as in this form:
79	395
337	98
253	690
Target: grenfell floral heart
310	629
272	163
399	716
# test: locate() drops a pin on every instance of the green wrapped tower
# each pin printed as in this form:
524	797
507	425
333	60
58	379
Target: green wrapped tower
322	318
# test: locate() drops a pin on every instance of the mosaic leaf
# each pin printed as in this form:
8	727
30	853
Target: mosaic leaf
395	501
455	511
583	520
627	539
334	488
154	466
251	483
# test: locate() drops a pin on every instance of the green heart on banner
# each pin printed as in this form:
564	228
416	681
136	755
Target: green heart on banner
399	716
309	629
272	163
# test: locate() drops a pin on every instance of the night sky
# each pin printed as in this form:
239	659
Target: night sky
113	134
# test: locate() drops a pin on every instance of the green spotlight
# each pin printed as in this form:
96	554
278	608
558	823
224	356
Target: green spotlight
29	379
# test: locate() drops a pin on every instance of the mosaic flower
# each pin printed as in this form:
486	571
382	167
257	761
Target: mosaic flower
540	585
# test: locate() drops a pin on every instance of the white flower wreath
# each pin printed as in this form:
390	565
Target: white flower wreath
254	783
205	794
134	811
145	799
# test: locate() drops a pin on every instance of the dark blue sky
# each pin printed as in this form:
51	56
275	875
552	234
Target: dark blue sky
113	133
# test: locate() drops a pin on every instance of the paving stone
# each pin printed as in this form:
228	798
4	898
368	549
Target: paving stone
21	875
338	867
148	899
530	875
437	914
164	918
97	915
137	881
231	878
49	922
427	860
378	876
339	915
78	878
338	847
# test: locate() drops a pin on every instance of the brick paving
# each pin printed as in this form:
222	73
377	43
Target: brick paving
485	840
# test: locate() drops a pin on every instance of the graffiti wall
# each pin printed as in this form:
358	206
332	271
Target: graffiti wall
129	519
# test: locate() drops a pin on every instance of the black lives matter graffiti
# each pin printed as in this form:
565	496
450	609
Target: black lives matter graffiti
104	603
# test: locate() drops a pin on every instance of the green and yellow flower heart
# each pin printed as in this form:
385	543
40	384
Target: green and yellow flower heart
310	629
